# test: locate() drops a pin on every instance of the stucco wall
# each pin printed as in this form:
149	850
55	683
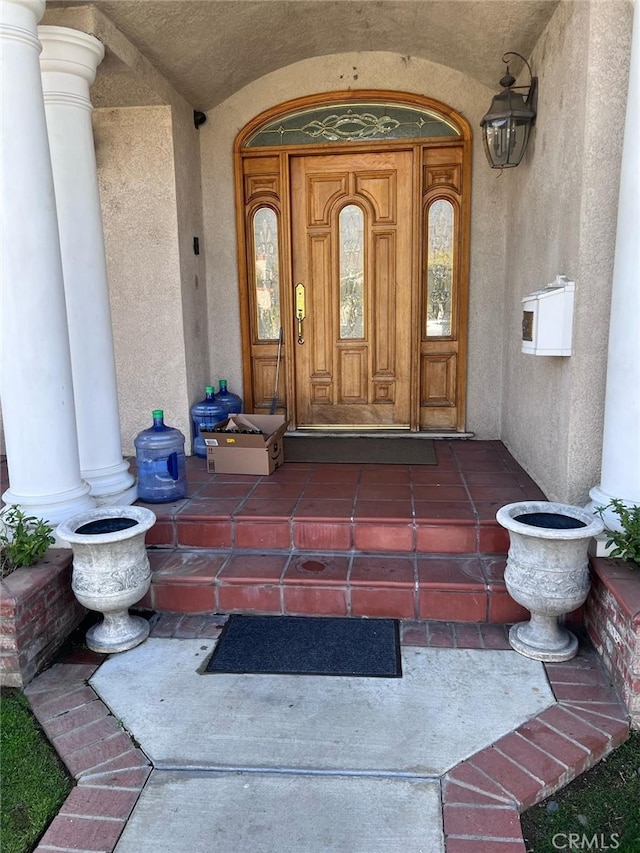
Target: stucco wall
186	147
562	203
360	71
135	157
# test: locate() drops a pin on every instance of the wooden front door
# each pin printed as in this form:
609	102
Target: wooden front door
366	231
352	229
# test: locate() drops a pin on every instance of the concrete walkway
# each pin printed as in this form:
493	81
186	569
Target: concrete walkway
167	759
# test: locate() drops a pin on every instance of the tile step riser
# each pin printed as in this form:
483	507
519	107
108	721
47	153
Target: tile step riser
262	600
443	588
334	536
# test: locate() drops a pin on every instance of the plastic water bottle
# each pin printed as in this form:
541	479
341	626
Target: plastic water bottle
162	473
206	413
232	402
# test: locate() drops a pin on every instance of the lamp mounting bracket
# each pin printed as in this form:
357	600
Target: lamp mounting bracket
508	80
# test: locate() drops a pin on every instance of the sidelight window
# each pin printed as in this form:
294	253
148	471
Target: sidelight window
440	266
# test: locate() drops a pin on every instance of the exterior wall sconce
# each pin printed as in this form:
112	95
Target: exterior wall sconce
506	126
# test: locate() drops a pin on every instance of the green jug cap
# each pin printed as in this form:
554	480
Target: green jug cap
157	413
209	389
222	381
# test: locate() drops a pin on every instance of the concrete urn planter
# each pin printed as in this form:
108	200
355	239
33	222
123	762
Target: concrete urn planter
547	572
111	571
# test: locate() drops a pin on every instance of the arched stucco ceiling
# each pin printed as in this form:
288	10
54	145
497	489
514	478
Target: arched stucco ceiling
209	49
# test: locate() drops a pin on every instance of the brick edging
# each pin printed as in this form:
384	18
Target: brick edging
484	796
110	771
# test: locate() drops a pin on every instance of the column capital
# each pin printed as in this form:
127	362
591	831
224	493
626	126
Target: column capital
69	51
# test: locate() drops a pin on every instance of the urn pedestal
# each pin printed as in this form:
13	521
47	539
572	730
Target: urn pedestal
111	571
547	572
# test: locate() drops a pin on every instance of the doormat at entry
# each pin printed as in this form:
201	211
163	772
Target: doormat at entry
308	645
391	450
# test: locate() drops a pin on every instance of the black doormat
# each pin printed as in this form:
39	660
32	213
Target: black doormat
308	645
390	450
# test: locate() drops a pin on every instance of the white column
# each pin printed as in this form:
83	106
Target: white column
620	477
68	63
36	383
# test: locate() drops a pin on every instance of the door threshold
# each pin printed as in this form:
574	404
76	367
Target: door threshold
316	433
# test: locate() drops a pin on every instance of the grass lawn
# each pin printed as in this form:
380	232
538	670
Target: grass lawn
33	783
599	810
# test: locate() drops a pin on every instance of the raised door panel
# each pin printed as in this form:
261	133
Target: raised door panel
438	380
319	305
384	262
381	190
321	192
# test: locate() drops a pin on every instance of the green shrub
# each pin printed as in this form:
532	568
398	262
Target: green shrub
626	542
23	540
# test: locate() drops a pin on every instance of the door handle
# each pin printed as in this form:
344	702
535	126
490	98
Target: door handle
301	310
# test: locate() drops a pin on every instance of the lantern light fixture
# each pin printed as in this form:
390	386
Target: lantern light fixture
506	126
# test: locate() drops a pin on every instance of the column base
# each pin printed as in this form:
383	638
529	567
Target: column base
54	509
599	498
598	546
124	498
112	486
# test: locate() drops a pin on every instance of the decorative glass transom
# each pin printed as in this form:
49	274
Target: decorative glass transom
352	122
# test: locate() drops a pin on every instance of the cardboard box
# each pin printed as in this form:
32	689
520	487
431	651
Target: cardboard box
246	453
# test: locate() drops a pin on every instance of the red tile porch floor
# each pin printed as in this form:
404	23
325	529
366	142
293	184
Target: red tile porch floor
412	542
482	797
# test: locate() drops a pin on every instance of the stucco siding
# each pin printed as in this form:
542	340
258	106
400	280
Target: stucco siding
562	204
135	155
186	145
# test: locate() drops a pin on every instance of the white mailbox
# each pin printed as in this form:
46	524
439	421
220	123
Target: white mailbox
547	319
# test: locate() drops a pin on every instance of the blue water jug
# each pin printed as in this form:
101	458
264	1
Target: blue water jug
162	471
231	402
207	413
